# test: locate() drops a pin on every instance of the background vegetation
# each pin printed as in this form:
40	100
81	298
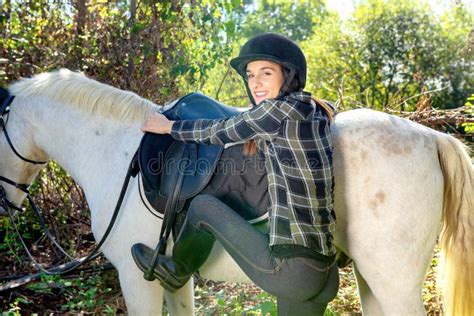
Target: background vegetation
391	55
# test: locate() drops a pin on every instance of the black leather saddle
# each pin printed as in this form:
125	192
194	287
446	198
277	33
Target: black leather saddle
176	170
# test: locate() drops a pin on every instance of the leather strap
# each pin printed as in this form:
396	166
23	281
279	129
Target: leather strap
168	220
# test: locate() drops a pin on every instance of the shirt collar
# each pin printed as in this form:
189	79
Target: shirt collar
301	96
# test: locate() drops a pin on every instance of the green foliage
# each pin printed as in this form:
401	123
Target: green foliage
14	311
60	199
458	56
66	213
267	304
14	307
329	55
295	18
234	299
163	49
386	55
82	294
390	52
219	298
469	127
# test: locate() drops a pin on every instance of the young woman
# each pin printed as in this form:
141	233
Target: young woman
296	260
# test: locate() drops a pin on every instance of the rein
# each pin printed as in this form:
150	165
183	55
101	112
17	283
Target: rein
8	206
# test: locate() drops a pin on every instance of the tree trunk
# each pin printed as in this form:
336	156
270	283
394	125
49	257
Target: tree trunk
6	12
133	43
80	21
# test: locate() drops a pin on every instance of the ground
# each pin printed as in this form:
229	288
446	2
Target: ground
98	292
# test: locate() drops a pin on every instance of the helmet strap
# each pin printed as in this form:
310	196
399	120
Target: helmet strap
284	90
249	93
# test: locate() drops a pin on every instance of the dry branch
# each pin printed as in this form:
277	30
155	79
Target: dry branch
439	119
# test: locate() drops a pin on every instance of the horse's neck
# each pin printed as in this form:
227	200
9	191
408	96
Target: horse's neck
94	150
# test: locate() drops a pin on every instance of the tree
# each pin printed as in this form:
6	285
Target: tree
159	49
293	18
390	52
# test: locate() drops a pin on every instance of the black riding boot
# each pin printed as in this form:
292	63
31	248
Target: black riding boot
190	251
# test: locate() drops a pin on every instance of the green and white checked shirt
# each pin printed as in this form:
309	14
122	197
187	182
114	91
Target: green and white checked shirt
297	145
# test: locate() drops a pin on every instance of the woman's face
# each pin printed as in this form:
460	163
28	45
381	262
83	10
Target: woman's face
265	79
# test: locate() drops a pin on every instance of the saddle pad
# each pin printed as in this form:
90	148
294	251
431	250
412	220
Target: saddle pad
245	190
4	94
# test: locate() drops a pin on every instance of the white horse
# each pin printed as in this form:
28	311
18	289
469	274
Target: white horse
397	184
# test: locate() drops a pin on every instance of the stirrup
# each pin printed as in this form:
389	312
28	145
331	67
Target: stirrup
168	279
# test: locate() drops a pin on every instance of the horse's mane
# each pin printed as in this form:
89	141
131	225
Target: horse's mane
74	88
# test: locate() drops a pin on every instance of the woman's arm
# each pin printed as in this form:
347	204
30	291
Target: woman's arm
263	121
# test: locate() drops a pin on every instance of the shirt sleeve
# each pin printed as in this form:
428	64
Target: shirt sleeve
263	121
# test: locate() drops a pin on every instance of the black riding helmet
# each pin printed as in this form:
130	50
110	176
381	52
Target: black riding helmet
276	48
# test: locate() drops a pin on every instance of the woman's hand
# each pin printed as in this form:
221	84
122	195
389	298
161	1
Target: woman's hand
157	123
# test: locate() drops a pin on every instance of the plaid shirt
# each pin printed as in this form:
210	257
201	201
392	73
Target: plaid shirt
297	145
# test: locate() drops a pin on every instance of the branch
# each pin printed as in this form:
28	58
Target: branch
438	118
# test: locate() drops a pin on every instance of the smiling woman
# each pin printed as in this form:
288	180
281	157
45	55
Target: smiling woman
296	260
265	79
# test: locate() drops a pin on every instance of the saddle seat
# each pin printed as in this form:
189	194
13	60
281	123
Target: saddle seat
163	160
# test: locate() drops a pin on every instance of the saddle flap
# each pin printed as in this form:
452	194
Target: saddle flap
151	158
195	163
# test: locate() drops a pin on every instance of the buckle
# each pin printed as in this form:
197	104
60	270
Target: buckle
5	106
3	194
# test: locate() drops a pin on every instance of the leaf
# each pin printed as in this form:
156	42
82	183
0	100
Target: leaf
268	307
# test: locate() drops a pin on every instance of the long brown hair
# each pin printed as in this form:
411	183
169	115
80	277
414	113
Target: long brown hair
326	107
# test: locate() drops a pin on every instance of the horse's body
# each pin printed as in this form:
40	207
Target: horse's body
396	182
